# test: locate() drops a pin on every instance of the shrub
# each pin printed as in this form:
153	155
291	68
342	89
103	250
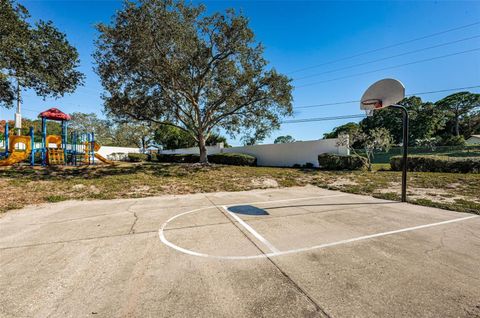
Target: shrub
437	164
236	159
453	141
308	165
329	161
137	157
180	158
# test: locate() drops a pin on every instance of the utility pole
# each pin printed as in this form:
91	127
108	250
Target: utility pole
18	113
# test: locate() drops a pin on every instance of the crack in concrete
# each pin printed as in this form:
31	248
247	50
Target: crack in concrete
75	240
129	209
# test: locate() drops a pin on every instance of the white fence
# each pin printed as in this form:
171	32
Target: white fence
279	155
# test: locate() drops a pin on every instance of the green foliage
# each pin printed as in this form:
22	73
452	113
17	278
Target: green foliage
329	161
169	62
89	122
458	107
284	139
425	120
432	125
373	140
236	159
448	151
134	134
55	198
348	128
170	137
39	56
453	141
308	165
437	164
455	115
137	157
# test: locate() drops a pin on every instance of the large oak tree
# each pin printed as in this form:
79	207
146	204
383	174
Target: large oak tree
171	63
36	56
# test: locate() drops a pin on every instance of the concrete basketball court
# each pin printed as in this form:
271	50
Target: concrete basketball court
296	252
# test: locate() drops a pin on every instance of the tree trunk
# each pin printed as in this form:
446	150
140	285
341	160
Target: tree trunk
457	126
203	149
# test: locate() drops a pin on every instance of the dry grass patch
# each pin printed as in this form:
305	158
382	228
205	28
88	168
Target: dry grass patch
20	186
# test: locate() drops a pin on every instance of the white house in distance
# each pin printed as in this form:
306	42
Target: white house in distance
473	140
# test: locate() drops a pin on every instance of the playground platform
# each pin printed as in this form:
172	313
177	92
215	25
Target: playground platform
296	252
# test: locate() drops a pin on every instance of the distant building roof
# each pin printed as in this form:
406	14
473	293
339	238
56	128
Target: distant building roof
54	114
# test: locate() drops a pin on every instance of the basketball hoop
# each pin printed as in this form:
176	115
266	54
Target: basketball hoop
369	105
387	93
382	94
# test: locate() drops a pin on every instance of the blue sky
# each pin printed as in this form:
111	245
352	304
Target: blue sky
300	34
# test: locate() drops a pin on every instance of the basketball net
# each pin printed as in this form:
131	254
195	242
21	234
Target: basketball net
370	105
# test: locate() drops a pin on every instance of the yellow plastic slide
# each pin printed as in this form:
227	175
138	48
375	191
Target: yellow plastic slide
96	147
15	157
103	159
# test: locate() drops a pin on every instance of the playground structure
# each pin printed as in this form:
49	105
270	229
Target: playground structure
80	149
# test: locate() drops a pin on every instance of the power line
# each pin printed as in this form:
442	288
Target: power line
306	120
355	101
388	57
412	94
390	67
386	47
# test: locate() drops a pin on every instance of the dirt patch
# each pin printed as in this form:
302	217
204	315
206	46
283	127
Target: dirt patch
264	183
433	194
340	182
20	186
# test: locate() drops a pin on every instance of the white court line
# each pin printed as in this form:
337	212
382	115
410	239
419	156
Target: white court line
252	231
366	237
164	240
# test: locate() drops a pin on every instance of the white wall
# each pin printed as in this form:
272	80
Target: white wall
280	155
286	155
107	150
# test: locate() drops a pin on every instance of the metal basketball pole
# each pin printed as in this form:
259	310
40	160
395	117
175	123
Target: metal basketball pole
405	150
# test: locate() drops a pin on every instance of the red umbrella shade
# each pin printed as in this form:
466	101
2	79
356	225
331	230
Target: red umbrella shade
54	114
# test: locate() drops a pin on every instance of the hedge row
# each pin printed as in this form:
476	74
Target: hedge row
327	161
437	164
237	159
137	157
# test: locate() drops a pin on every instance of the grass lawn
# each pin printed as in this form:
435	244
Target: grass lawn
20	186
